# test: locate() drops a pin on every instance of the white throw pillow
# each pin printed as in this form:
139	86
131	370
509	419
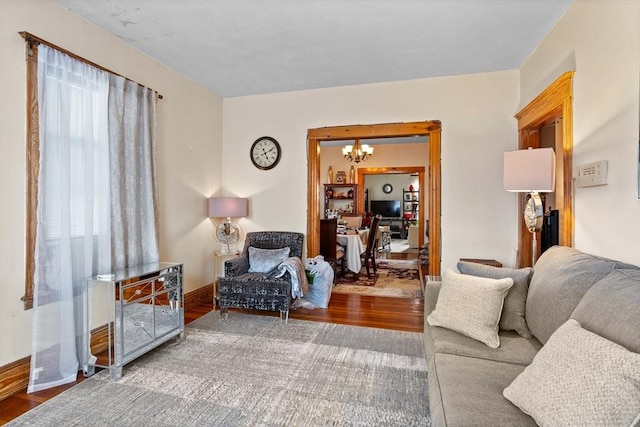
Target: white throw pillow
471	306
579	378
512	317
264	260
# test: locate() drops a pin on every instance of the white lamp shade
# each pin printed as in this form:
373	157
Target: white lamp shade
227	207
530	170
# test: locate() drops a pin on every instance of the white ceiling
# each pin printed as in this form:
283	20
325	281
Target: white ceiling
249	47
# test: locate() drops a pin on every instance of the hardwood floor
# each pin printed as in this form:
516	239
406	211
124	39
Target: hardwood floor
356	310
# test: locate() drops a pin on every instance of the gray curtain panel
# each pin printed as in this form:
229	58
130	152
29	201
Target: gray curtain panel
132	147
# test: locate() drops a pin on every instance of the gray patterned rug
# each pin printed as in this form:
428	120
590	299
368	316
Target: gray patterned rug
256	371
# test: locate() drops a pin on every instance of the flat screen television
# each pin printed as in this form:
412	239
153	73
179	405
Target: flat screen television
386	208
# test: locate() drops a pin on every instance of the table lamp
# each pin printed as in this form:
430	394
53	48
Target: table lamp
227	233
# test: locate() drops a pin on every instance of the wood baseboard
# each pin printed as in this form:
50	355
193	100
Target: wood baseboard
14	377
201	295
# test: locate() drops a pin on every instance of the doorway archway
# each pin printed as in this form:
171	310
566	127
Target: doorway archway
431	128
554	104
409	170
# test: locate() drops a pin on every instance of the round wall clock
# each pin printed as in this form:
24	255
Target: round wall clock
265	153
387	188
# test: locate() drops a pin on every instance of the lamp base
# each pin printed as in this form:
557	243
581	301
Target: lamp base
533	212
533	219
227	234
534	247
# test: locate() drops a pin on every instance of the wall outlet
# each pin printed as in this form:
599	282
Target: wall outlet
592	174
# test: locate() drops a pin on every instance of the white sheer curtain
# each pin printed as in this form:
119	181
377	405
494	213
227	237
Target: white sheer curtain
97	200
132	145
73	231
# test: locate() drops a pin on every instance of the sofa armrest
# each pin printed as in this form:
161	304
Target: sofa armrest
236	266
431	292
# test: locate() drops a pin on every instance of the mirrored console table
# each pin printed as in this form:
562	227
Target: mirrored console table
130	312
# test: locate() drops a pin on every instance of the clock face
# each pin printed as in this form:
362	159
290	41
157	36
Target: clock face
265	153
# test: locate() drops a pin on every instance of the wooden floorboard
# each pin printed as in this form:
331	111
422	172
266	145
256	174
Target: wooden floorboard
356	310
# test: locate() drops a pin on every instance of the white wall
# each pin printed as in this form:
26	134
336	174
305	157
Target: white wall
399	182
478	217
600	40
189	151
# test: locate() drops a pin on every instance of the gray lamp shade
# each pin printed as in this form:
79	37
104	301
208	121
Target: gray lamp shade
531	170
227	207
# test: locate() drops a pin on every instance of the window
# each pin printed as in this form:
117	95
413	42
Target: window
90	136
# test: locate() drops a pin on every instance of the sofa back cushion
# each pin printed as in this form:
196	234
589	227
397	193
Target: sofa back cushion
274	240
560	279
611	308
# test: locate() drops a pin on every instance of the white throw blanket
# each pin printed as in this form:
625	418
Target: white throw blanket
294	266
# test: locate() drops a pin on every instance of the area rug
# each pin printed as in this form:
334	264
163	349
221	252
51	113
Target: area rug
395	278
424	256
361	279
255	370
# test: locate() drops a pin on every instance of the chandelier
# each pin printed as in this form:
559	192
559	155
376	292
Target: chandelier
357	152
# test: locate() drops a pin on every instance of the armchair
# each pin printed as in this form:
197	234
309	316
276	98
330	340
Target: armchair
260	290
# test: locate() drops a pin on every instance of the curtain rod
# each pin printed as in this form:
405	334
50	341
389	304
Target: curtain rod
30	38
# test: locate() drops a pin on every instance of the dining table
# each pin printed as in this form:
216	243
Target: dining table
354	245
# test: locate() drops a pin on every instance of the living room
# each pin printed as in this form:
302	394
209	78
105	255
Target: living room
204	140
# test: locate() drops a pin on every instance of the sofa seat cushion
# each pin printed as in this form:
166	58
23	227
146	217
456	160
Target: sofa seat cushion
579	378
560	279
466	391
611	308
471	306
513	348
255	283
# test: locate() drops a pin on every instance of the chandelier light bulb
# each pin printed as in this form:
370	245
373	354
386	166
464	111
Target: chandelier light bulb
357	152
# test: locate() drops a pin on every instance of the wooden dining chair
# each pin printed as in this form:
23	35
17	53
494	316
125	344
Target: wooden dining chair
329	248
369	254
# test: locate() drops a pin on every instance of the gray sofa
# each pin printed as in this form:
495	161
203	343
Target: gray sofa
467	378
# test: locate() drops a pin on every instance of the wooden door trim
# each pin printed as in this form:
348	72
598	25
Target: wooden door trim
413	170
431	128
555	102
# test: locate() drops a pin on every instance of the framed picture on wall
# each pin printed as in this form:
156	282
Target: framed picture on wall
407	197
